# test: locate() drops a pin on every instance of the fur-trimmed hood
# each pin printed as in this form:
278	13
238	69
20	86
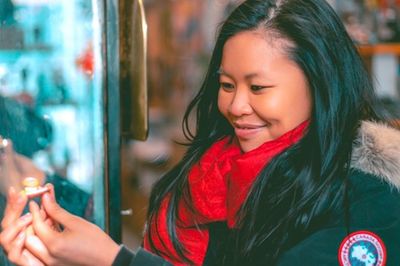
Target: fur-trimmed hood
376	150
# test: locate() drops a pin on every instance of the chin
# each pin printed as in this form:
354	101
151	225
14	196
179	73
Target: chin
246	147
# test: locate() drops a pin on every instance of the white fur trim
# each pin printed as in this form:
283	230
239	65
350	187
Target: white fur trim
376	150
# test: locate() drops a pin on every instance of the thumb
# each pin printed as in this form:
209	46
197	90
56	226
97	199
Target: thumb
56	213
36	248
40	227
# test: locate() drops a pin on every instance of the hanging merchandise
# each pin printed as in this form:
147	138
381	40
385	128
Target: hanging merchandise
85	61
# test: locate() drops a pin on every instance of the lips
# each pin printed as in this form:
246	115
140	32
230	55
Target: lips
243	130
246	125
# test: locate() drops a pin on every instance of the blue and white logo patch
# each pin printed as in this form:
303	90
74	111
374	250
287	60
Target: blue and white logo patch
362	248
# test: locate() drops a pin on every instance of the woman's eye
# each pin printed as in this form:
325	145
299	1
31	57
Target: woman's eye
258	87
226	86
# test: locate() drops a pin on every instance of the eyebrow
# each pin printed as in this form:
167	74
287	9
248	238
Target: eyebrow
220	71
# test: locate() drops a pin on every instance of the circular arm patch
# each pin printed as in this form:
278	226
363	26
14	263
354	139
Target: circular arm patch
362	248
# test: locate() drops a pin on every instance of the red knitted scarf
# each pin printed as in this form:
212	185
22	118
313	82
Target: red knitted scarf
218	184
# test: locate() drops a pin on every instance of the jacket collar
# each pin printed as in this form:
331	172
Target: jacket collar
376	150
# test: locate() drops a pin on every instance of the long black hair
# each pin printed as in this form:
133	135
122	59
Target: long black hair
300	186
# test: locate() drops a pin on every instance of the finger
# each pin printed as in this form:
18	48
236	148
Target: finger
48	220
43	214
29	231
30	259
14	208
52	224
3	144
10	233
7	147
46	233
37	249
51	192
56	213
15	251
37	192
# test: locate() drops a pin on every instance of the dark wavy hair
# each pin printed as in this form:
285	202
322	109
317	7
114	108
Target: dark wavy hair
303	185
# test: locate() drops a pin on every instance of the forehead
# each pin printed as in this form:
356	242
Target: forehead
255	51
270	39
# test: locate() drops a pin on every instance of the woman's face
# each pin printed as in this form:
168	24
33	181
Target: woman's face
262	93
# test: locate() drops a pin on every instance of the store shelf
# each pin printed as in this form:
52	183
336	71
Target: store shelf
382	48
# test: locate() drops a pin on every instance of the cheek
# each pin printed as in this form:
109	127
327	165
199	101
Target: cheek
303	104
299	110
223	103
268	106
284	107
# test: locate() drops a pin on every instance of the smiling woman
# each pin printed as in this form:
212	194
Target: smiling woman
266	94
283	160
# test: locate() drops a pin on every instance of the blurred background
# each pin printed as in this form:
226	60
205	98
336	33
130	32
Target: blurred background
55	92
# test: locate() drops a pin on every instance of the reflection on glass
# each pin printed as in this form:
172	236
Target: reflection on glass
51	100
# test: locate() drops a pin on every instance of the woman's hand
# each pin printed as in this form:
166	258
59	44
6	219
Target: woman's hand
80	243
14	231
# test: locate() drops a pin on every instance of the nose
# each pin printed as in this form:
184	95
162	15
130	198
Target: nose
240	104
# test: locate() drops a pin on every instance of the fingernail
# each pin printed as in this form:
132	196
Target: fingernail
33	206
51	192
11	192
48	197
21	197
26	217
21	236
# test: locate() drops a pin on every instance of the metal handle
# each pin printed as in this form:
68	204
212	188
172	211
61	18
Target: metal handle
127	212
133	69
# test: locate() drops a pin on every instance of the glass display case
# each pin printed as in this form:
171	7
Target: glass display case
60	105
51	72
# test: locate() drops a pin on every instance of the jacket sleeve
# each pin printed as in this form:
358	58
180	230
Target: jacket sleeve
140	257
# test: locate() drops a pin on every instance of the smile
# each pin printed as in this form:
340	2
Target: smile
247	125
246	130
